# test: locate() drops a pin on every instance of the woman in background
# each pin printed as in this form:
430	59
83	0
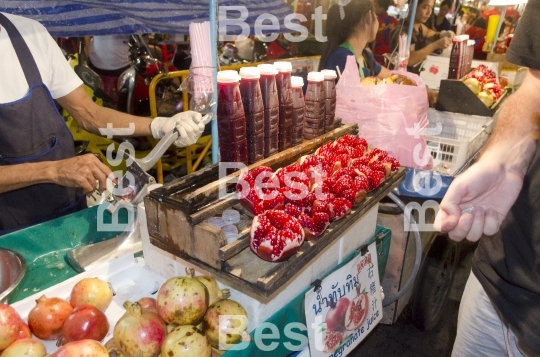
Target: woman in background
441	23
349	30
424	40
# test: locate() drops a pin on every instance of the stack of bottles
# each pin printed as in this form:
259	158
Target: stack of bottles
263	110
329	98
459	63
283	83
271	108
250	90
298	111
231	118
315	106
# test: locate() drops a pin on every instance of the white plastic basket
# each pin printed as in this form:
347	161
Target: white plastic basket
461	136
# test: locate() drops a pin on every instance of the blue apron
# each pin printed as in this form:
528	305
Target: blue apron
32	130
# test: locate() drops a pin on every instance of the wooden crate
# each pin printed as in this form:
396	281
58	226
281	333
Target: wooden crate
176	212
176	224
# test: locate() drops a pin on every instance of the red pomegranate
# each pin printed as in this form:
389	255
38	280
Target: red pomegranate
335	317
332	340
275	235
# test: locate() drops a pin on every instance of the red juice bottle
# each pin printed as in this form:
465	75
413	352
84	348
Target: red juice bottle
315	106
271	108
283	83
329	99
231	118
298	111
250	89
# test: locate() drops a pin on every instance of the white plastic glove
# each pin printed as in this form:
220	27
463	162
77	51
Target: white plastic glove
189	125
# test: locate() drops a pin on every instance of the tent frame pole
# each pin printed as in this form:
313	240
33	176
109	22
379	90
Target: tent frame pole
213	44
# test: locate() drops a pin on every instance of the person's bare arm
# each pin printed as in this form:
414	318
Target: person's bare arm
79	171
93	117
420	55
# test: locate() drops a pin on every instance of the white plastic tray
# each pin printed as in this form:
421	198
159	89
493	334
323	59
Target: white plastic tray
128	276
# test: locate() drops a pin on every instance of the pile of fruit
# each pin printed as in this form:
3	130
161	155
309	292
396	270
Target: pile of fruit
394	78
182	321
298	202
483	83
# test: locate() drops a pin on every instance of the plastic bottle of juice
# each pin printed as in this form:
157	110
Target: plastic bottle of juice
283	83
231	118
315	106
250	89
298	111
330	98
271	108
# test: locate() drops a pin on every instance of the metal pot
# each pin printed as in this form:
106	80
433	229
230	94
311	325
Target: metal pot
12	270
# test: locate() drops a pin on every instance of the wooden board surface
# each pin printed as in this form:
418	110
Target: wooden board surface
246	272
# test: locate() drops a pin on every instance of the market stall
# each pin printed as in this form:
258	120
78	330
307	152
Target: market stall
285	290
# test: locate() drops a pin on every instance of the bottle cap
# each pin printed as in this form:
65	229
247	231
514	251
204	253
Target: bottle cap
329	74
230	229
315	77
283	66
231	216
228	76
297	81
267	68
217	222
250	72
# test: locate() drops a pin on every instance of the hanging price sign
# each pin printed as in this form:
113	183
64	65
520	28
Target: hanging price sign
345	307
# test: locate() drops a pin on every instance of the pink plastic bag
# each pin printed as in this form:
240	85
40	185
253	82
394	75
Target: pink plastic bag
390	117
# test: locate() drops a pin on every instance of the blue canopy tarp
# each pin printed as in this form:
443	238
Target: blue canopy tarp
101	17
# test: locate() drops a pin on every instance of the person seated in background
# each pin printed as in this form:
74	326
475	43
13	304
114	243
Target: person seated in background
386	24
477	32
441	23
424	40
349	30
507	28
461	21
492	10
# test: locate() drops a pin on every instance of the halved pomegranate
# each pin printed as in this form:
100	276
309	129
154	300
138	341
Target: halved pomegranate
275	235
260	190
357	310
314	225
332	340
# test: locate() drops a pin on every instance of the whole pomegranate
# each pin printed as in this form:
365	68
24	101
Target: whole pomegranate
26	347
148	303
82	348
186	341
91	291
139	332
335	317
357	310
47	317
214	292
231	327
85	322
24	331
10	322
275	235
182	301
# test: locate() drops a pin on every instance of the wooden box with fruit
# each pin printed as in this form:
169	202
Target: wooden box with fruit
292	205
477	93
